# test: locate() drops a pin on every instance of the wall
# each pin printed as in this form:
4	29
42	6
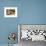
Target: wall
29	12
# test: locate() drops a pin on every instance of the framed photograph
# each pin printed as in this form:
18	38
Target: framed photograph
10	11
